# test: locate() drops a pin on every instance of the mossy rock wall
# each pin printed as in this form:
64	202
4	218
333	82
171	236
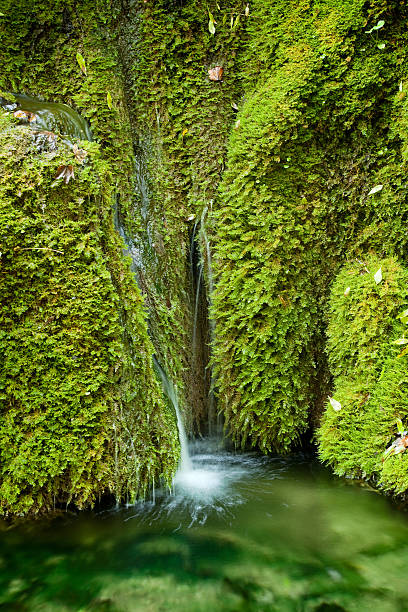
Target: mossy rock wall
322	122
370	373
81	411
275	162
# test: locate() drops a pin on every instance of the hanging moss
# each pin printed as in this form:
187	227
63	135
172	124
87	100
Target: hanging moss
370	379
314	135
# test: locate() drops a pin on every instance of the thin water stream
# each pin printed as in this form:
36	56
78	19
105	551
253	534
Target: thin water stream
51	116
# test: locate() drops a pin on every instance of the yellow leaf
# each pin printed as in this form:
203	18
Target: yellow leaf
81	62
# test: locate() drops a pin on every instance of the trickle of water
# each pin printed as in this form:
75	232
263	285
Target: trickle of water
195	319
170	391
51	116
193	481
211	403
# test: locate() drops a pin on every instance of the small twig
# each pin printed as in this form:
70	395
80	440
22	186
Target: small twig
40	249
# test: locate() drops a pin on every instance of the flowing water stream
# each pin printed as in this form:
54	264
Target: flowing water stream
258	534
51	116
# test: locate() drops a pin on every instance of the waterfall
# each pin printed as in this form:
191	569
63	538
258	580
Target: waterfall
171	393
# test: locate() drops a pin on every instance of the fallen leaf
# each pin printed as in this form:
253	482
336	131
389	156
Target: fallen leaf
398	446
66	173
109	100
79	154
81	62
400	427
378	276
247	10
215	74
347	291
335	404
211	23
375	189
25	115
51	137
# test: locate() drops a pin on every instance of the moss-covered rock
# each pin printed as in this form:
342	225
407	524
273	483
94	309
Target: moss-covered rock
370	372
81	412
317	130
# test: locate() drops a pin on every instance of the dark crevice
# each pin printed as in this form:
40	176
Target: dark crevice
202	396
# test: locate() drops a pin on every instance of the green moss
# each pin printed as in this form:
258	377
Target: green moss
182	120
81	412
370	379
281	185
315	134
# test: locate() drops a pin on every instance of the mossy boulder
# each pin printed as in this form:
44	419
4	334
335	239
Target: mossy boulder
316	131
370	372
81	413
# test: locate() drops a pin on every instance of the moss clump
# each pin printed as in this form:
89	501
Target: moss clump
370	373
81	413
314	135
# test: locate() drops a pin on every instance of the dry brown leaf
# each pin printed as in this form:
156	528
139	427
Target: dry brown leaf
50	136
66	173
25	115
79	154
215	74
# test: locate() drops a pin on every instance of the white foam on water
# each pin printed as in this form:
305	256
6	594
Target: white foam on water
198	482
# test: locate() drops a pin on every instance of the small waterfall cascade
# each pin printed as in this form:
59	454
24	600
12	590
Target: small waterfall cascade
190	481
49	116
171	393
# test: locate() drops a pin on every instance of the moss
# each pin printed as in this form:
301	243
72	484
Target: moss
280	185
181	120
314	135
369	372
81	412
